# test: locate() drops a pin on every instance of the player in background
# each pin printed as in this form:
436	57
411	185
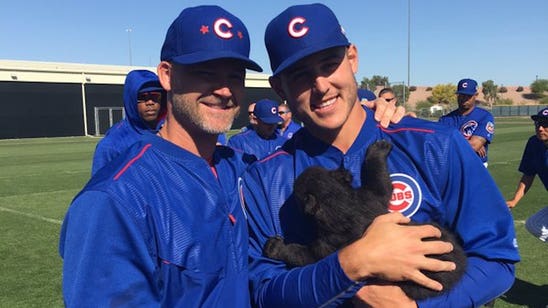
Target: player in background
287	128
262	140
252	118
535	158
535	162
477	125
436	176
144	106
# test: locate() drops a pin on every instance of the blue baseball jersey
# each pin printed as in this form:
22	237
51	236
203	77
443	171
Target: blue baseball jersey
130	129
479	122
535	160
289	131
158	227
436	177
251	143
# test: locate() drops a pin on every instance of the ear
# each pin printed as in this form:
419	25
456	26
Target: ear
164	71
276	84
352	54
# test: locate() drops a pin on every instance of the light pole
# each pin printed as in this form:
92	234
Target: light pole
408	46
128	30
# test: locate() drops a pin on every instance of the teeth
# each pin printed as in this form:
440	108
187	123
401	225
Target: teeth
327	103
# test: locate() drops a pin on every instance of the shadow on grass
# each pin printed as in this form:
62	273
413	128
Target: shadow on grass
527	294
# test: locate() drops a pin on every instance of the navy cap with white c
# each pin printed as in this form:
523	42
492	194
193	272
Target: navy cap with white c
205	33
300	31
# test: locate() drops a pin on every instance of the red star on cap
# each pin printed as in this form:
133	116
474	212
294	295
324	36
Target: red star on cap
240	35
204	29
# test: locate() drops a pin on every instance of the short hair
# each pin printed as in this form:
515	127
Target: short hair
386	90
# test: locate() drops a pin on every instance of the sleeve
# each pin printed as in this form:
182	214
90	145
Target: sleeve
273	285
103	154
477	212
486	127
525	166
105	259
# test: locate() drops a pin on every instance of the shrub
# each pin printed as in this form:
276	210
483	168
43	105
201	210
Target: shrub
503	90
519	89
429	89
503	101
412	88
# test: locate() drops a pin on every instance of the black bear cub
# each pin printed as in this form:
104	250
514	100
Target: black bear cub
342	213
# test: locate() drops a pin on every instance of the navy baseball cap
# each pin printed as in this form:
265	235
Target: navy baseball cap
267	111
151	86
467	87
364	94
542	115
300	31
205	33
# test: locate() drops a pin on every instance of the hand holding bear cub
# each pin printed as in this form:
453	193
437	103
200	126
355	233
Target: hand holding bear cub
342	213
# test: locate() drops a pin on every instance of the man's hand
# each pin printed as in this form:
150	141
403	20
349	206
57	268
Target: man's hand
392	251
382	295
386	112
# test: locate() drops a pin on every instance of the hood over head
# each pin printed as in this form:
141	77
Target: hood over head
141	81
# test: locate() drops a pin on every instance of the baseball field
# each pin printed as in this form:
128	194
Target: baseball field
39	177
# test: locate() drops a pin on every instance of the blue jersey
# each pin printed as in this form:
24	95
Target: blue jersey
436	177
251	143
158	227
289	131
479	122
130	129
535	160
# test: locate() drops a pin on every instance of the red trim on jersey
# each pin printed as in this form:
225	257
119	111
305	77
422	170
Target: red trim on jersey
403	129
212	167
134	159
232	219
277	153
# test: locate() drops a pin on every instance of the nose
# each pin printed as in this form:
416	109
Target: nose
321	84
223	91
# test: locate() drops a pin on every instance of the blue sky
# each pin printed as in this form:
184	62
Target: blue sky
502	40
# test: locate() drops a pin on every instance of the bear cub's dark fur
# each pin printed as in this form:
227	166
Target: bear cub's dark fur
342	213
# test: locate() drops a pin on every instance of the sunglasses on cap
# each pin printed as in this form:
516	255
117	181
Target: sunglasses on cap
390	99
149	96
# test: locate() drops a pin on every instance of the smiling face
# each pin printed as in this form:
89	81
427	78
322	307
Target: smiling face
322	92
207	96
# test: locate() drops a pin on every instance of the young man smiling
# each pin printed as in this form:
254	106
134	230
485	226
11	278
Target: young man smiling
435	174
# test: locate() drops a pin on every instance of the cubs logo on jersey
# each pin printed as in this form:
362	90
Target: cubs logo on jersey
468	128
406	195
490	127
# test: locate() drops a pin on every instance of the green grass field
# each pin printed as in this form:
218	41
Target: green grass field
39	177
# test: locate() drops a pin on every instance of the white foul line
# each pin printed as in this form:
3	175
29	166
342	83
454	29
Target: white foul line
55	221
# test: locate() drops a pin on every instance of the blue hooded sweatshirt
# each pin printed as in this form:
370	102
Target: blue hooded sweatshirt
130	129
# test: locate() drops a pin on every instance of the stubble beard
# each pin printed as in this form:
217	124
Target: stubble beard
189	114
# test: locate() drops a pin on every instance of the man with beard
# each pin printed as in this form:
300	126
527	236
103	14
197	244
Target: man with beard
477	125
160	225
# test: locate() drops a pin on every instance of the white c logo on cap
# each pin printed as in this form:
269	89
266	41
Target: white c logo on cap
465	84
297	33
217	28
273	110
